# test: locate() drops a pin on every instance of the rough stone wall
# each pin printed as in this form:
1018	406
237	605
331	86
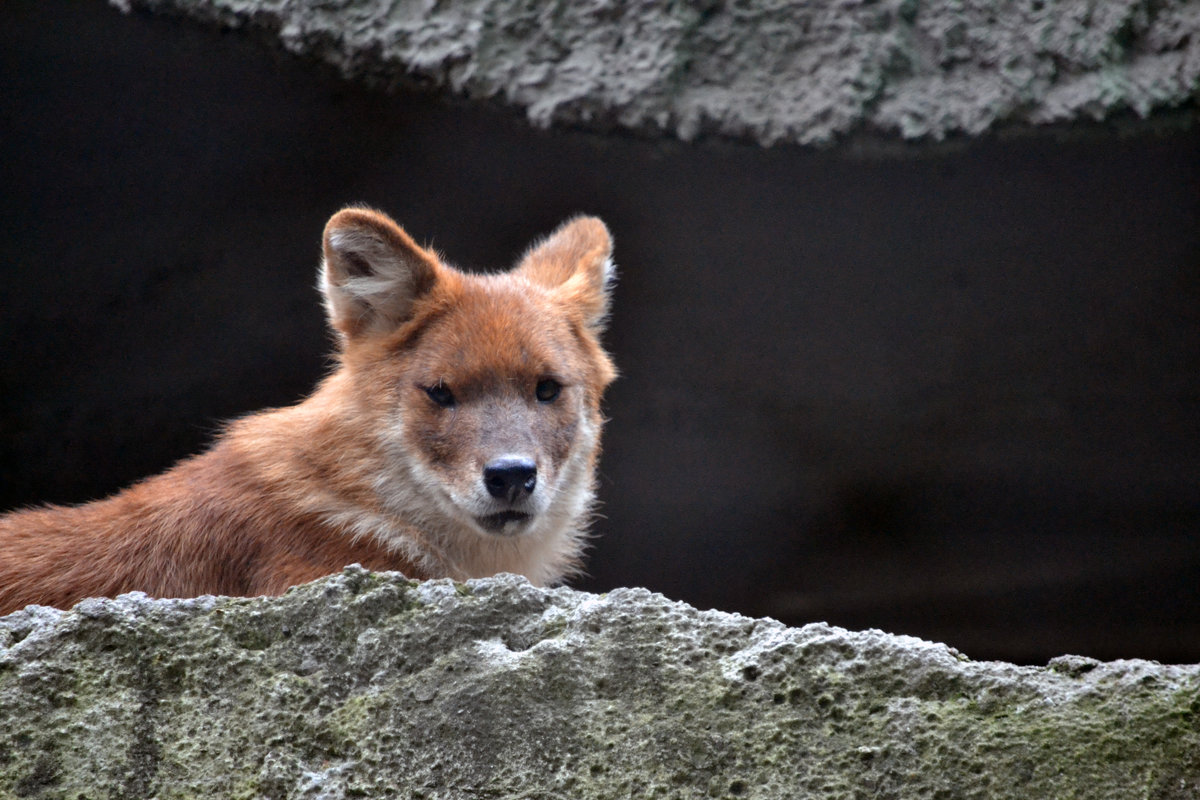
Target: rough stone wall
368	685
804	72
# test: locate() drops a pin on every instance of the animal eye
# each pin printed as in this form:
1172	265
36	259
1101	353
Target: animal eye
547	390
440	393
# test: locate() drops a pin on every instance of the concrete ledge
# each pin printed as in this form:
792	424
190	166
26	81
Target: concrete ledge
807	73
368	685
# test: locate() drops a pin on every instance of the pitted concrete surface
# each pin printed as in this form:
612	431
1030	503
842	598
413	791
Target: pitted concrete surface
807	73
369	685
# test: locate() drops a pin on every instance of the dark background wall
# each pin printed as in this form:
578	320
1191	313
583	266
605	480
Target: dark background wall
953	392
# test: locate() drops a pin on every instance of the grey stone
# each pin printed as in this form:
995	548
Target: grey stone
803	72
369	685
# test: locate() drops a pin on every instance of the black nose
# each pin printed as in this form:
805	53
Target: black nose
510	478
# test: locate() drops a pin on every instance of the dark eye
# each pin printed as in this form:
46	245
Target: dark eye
547	390
440	393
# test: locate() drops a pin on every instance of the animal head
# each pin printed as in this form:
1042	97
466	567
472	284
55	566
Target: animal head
483	391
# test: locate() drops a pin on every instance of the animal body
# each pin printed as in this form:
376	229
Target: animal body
456	437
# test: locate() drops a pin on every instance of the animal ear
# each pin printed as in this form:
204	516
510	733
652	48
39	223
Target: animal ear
576	261
372	272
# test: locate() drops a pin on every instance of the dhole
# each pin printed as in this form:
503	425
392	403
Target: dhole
457	437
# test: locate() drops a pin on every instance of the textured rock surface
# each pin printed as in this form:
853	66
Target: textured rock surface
772	71
370	685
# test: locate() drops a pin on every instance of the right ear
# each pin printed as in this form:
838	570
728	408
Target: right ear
372	273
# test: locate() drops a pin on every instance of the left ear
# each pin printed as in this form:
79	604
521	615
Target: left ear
373	272
576	261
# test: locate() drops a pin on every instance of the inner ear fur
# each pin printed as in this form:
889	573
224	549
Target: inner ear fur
576	261
372	272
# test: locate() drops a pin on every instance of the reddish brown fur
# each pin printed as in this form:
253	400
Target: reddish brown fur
350	474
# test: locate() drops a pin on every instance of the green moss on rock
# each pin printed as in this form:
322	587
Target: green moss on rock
369	685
